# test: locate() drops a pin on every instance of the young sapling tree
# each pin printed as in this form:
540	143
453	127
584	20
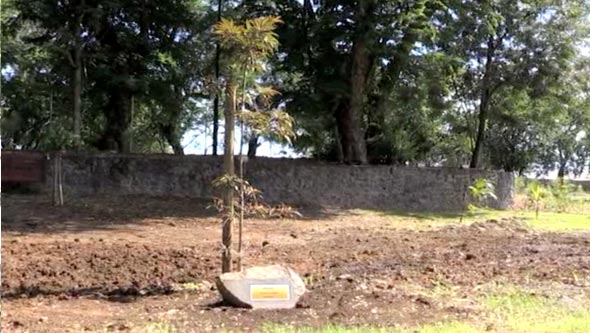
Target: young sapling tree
536	194
247	48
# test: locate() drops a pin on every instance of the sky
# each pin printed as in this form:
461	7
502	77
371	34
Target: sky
200	141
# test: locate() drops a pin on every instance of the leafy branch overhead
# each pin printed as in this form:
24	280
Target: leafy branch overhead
273	123
254	205
249	45
248	48
499	84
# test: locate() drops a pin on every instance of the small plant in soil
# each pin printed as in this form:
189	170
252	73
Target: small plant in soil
536	195
160	327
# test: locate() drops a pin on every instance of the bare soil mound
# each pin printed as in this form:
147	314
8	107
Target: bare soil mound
359	271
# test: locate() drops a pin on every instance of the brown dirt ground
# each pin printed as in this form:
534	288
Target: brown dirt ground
119	263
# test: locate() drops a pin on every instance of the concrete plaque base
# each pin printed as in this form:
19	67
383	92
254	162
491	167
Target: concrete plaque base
262	287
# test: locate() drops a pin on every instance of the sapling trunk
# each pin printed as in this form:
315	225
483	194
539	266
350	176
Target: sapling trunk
58	196
60	177
228	169
242	203
248	45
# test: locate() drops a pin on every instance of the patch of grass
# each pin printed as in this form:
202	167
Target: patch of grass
505	309
524	312
195	286
548	221
309	280
551	221
450	217
451	327
422	220
159	327
556	196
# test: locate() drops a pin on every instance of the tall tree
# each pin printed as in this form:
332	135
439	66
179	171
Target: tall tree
61	28
565	146
507	44
36	96
350	50
130	54
132	34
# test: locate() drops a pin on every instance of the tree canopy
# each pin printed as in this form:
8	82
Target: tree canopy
487	84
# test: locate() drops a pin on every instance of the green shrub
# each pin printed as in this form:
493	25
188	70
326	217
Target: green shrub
561	195
481	191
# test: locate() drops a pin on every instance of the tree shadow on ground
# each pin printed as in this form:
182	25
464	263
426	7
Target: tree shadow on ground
118	295
35	213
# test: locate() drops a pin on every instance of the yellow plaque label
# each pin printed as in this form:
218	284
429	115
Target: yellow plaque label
269	292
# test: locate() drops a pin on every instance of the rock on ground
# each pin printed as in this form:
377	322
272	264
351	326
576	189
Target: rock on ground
262	287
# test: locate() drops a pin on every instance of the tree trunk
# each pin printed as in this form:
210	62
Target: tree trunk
216	100
120	86
252	145
350	117
360	68
338	145
308	18
390	77
228	169
561	173
393	71
77	81
344	124
481	128
177	147
118	121
170	132
170	126
77	90
483	104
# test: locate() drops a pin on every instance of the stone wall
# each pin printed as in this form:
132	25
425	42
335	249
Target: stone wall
585	184
296	182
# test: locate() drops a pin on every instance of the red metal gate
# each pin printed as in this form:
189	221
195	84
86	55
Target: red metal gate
19	166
